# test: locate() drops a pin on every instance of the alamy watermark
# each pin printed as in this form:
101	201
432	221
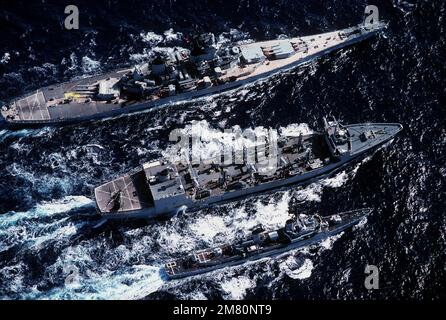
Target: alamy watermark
372	17
72	278
72	20
248	147
372	279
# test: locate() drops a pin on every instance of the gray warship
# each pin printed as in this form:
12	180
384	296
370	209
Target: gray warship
202	69
299	231
163	188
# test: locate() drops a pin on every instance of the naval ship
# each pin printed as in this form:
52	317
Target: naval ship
164	188
199	69
298	232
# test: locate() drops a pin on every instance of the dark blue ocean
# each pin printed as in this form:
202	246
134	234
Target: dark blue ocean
48	175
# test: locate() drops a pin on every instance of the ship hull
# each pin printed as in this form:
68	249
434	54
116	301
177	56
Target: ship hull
266	187
276	252
77	116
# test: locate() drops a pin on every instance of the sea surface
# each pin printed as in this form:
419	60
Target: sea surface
47	175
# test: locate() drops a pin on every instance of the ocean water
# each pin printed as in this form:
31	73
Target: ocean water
47	175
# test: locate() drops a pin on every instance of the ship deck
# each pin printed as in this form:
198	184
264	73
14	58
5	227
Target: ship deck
308	46
48	103
32	107
133	189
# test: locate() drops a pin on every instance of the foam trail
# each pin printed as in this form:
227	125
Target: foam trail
136	282
5	133
313	192
8	133
236	288
291	268
212	142
271	215
35	227
327	243
46	209
56	231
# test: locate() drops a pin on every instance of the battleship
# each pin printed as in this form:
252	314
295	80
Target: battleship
300	231
199	69
165	188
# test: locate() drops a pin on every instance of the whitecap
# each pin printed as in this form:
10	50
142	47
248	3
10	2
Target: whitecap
136	282
89	65
151	38
5	59
296	270
235	288
46	208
